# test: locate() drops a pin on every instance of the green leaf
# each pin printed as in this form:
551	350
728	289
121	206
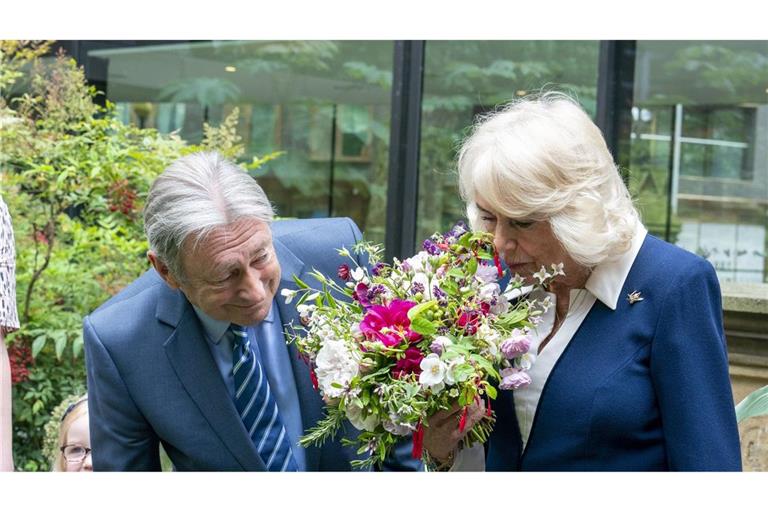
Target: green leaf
60	338
38	344
420	308
756	404
457	273
301	284
491	391
423	326
471	267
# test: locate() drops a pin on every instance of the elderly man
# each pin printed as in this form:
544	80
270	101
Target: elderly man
192	354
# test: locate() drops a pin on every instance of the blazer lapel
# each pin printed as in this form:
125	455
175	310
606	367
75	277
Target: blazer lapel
310	403
191	359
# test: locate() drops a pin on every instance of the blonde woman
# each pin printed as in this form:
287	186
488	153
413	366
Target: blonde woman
9	322
73	452
630	370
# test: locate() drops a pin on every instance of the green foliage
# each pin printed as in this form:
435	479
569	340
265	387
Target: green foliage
75	179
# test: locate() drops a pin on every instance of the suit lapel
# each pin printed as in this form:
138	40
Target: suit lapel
310	403
191	359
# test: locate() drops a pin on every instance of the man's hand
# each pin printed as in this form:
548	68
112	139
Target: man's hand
442	436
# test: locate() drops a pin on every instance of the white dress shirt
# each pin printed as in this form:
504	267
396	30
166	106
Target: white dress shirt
604	284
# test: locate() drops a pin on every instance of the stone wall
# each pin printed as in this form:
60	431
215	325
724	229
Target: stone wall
745	318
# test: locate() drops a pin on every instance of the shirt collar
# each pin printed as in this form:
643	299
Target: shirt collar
607	279
216	329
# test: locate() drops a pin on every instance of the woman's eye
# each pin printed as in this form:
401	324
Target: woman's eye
488	219
520	224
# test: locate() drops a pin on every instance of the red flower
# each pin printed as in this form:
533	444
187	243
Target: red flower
409	364
343	272
389	324
469	321
20	357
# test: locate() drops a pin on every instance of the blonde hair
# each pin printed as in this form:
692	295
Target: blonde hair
542	158
74	411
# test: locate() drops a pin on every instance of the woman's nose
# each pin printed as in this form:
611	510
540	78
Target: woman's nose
88	462
504	243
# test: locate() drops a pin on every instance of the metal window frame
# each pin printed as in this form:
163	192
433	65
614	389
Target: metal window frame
404	148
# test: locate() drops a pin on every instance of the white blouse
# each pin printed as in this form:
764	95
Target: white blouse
604	284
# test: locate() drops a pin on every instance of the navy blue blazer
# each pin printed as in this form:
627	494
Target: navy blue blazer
152	378
641	388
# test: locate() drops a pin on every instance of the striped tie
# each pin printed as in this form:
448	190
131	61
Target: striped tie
257	407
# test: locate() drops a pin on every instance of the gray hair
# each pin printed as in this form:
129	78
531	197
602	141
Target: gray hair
542	158
195	195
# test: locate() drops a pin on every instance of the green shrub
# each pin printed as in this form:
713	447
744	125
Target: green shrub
75	179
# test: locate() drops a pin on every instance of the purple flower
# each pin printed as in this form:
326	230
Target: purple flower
417	288
515	345
439	344
375	291
512	378
361	295
458	229
431	247
379	269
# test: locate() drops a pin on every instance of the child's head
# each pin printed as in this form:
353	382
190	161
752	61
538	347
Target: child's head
74	449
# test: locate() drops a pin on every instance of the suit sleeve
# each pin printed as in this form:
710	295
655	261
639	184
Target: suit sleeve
120	437
689	364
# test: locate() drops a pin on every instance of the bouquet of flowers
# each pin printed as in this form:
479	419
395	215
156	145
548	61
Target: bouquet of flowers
415	337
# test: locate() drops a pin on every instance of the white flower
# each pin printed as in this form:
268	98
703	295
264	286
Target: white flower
450	373
513	293
419	262
305	310
542	275
501	307
355	417
557	270
489	292
432	373
358	274
288	294
486	274
335	364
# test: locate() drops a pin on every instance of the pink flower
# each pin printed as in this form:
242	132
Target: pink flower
411	363
513	378
516	345
389	324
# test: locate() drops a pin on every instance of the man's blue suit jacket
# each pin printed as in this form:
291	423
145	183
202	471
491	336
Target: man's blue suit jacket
152	378
641	388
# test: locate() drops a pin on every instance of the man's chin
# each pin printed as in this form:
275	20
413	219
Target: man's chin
249	316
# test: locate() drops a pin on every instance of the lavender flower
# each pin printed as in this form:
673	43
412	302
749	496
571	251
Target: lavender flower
417	288
515	345
379	269
512	378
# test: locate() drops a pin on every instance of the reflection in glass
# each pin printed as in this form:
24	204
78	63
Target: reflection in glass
699	150
465	78
325	104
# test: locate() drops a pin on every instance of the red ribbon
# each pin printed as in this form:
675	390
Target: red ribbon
463	419
497	262
313	377
418	442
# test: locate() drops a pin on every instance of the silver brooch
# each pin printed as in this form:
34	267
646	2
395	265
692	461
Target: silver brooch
634	297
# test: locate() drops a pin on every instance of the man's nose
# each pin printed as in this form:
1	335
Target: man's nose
253	287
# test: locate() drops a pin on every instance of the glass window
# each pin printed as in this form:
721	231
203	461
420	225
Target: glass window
325	104
699	150
466	78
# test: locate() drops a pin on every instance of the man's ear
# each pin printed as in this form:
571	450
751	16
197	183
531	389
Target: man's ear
163	270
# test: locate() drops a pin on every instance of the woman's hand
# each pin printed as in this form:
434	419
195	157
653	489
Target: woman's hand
442	436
